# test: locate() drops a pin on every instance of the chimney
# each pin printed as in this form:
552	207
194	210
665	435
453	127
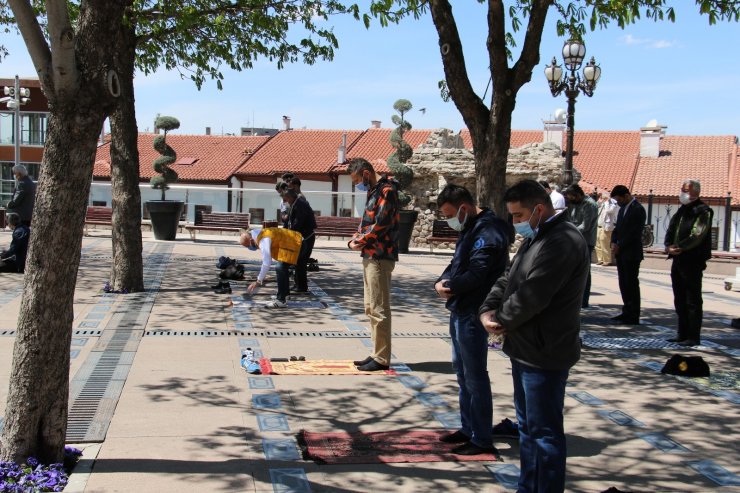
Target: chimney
650	136
156	128
208	130
286	123
555	128
342	151
375	123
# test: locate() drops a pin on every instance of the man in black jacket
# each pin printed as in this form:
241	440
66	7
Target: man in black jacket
14	258
24	194
302	219
689	243
481	255
536	307
627	250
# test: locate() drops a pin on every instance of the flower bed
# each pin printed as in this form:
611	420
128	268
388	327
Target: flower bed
32	476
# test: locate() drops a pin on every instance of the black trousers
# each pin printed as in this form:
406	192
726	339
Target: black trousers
628	269
686	278
301	268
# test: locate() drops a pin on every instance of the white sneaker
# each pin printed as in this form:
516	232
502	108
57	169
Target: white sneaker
276	304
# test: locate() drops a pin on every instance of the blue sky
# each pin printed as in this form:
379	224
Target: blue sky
682	74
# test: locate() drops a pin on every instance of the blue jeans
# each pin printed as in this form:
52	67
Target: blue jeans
283	280
538	399
470	361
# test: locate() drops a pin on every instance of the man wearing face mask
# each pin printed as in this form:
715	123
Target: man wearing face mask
689	243
536	307
583	212
377	239
481	255
627	250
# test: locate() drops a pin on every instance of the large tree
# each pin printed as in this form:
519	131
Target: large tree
196	38
76	68
489	122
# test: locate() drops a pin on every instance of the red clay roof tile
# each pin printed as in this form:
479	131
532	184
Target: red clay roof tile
216	157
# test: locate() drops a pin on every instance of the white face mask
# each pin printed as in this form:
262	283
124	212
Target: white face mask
455	223
684	198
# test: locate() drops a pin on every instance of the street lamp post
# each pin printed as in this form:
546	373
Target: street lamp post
574	51
15	97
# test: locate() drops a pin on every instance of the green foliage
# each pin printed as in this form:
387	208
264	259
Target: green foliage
168	155
198	37
403	151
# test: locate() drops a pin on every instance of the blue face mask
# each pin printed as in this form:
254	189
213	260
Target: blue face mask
362	187
455	223
525	229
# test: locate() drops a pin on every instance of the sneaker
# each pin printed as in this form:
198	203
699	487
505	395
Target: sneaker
276	304
470	448
248	362
506	429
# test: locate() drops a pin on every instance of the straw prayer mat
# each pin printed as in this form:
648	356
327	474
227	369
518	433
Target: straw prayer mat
315	367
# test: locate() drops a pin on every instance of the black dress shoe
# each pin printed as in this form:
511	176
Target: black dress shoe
689	343
618	318
224	290
675	339
220	285
363	361
372	366
472	449
457	437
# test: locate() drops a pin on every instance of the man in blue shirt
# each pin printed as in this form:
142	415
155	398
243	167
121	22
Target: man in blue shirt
481	255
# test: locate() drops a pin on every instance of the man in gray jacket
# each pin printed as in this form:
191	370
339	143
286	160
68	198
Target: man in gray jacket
24	194
584	213
536	306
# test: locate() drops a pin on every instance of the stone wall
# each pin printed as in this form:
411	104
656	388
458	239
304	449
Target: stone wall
443	159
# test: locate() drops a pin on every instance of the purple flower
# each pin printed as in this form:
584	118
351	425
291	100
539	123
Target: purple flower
32	461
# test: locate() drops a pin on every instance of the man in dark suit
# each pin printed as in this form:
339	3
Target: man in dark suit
627	249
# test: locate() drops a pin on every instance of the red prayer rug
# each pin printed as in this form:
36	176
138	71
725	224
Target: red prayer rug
382	447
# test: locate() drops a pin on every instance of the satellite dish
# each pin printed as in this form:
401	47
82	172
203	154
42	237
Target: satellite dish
652	123
559	115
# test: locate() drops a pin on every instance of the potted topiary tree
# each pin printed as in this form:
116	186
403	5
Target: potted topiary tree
164	214
402	173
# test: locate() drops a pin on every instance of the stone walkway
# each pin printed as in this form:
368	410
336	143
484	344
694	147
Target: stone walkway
159	401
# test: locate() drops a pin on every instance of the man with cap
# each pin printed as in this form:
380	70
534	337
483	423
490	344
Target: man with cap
280	244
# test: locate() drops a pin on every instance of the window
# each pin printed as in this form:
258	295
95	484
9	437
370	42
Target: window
33	128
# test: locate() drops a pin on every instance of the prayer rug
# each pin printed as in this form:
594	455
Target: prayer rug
315	367
381	447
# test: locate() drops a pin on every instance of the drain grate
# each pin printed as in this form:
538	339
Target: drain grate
202	333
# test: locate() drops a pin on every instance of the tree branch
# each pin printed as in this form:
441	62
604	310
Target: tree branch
471	107
530	56
33	37
496	43
62	41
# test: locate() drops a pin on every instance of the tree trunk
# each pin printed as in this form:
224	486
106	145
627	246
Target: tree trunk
76	76
491	152
36	410
127	270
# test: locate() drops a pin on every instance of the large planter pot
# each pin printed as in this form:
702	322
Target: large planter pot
165	217
405	229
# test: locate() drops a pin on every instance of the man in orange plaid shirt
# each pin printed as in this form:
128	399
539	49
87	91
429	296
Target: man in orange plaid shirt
377	240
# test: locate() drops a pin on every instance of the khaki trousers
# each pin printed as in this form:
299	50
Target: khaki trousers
377	280
603	246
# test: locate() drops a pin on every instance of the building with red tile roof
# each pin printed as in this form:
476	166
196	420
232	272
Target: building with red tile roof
204	159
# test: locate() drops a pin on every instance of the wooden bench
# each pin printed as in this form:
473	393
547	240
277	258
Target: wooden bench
219	221
442	233
336	226
98	216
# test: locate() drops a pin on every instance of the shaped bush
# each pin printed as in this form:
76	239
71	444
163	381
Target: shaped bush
403	151
168	155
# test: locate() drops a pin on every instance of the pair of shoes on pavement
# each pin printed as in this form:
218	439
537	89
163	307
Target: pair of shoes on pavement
276	304
466	447
369	364
297	358
221	284
249	363
296	289
224	290
506	429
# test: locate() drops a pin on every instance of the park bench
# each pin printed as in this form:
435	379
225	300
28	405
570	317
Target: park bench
442	233
219	221
98	216
336	226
